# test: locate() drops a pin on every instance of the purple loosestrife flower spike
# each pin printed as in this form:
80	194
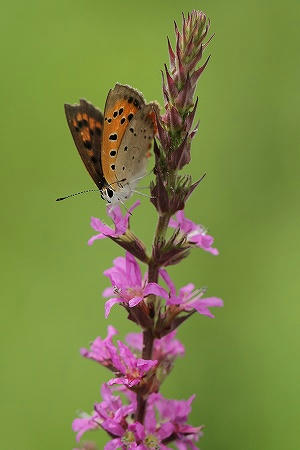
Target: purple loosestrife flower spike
132	411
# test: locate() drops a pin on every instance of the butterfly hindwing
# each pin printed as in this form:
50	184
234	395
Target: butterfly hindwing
86	126
122	104
136	142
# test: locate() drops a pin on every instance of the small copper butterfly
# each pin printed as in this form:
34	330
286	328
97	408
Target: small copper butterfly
114	147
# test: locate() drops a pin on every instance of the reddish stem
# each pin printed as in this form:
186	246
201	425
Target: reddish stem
148	337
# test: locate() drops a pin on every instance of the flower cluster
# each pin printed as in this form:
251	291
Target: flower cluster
165	422
130	370
133	412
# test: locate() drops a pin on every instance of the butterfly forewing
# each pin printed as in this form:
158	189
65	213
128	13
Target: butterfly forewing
122	104
86	126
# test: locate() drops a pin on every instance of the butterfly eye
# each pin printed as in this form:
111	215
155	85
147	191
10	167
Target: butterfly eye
110	193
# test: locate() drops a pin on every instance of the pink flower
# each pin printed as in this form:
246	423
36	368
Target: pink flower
165	348
128	286
110	415
165	421
101	349
151	436
189	298
120	360
175	413
194	233
132	368
84	423
121	223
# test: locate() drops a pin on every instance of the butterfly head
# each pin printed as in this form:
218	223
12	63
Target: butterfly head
120	195
109	195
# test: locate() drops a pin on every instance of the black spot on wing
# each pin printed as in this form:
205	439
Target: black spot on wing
87	144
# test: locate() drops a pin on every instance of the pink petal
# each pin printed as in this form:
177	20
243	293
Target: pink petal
135	205
123	411
108	292
166	429
212	302
113	445
174	300
205	242
138	430
135	301
111	331
167	279
154	288
119	380
131	383
114	212
144	365
112	427
95	238
173	223
82	425
135	340
213	251
109	304
98	225
133	270
127	356
186	290
202	305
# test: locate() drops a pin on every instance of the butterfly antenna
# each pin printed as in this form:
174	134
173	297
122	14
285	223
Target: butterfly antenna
76	193
142	193
144	187
124	206
140	178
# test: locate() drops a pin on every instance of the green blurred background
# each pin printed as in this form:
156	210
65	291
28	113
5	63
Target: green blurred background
244	364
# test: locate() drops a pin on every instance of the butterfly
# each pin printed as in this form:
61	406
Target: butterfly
114	146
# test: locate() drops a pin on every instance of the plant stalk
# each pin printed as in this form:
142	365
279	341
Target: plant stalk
148	337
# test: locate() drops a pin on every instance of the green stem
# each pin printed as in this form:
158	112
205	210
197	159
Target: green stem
162	226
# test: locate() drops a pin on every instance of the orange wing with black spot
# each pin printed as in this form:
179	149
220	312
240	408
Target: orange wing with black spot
86	126
122	104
